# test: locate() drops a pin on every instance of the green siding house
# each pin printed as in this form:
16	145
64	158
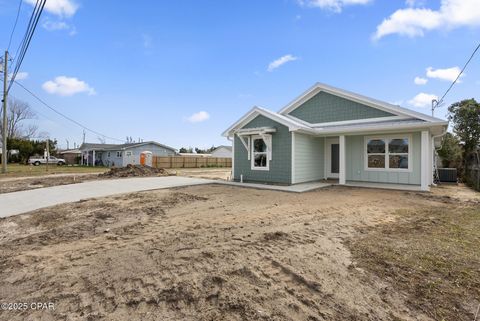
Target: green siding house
330	133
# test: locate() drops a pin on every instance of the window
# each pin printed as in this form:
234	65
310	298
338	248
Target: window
128	154
119	154
108	154
388	153
260	152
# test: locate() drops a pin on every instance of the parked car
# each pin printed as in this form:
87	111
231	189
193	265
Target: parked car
42	160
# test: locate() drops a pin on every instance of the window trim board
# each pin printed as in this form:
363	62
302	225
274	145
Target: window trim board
387	168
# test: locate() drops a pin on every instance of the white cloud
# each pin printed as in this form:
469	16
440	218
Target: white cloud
422	100
414	22
420	81
20	75
280	61
198	117
67	86
415	3
61	8
55	25
449	74
332	5
51	25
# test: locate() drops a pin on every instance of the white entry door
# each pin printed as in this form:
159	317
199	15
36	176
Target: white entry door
332	157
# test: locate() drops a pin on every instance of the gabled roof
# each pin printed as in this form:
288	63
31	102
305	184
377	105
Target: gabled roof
255	111
405	118
224	146
101	147
371	102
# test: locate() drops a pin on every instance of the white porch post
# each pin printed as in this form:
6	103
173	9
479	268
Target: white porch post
88	154
425	161
93	158
342	161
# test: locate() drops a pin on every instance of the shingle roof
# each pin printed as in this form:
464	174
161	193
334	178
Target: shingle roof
91	146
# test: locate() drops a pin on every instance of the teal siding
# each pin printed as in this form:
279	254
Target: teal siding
309	158
324	107
281	163
355	163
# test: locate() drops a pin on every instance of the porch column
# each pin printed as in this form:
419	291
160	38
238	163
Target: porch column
342	162
425	160
88	154
93	158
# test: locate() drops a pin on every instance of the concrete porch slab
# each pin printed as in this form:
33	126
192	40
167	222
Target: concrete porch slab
401	187
297	188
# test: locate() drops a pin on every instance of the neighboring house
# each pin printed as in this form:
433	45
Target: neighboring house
71	156
222	151
121	155
194	155
330	133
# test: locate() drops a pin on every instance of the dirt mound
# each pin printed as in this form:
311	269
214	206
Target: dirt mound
133	171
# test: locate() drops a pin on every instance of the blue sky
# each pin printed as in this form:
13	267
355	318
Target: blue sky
180	72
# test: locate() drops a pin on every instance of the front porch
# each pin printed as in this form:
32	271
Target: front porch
390	161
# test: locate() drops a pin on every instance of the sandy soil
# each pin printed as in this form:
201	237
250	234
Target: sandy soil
8	185
22	184
208	173
206	253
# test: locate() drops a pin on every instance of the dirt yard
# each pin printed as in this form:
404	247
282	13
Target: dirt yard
15	184
217	252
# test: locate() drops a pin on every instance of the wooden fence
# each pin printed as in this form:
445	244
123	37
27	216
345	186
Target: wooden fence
472	177
190	162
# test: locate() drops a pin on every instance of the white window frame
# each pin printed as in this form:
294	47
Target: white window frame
387	139
267	152
119	154
128	154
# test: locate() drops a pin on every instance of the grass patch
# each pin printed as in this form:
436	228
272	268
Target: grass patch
431	255
19	170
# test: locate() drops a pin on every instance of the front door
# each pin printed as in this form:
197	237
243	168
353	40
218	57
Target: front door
332	157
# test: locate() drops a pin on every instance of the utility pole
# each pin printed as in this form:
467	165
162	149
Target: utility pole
84	136
48	153
4	133
434	105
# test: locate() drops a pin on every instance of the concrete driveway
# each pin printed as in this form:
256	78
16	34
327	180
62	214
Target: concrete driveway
25	201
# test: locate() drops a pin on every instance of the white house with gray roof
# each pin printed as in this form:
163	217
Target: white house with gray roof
120	155
330	133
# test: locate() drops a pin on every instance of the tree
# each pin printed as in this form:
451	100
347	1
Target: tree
465	118
186	150
18	112
451	151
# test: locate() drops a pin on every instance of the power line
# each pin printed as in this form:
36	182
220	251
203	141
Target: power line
66	117
458	77
32	25
15	24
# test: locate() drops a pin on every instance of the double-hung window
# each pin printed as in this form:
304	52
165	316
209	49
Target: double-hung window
260	154
388	153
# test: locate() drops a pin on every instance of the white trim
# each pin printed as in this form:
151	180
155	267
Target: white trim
318	87
267	153
376	128
349	122
324	158
342	163
293	158
255	131
233	159
387	153
328	158
254	112
424	161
